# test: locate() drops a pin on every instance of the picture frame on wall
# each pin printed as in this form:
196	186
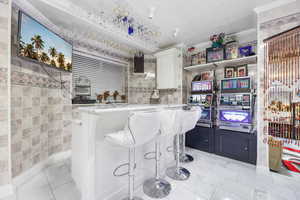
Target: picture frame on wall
242	71
229	72
215	54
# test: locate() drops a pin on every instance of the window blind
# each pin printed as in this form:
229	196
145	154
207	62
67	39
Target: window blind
104	76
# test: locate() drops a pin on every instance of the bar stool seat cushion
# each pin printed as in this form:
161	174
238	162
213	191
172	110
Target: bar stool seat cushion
122	138
141	128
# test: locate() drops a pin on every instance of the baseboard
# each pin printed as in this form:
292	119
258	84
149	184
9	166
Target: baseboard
56	158
6	190
262	170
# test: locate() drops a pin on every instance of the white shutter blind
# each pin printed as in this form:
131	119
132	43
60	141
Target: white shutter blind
103	76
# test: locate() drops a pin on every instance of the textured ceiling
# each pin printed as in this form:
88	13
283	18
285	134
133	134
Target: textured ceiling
196	20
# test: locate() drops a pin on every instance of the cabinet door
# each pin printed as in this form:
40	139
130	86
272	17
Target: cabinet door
169	64
233	145
165	72
199	138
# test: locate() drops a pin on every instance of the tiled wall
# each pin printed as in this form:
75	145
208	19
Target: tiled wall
41	111
140	86
4	98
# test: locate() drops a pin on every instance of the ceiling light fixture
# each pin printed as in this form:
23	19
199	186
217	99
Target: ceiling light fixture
151	13
176	32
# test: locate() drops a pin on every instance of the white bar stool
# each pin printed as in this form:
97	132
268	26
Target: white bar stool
177	172
158	187
142	127
189	121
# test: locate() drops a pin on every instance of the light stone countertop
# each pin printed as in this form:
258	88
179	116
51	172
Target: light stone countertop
124	107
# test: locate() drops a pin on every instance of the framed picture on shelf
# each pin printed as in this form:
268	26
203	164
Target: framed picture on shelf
202	57
245	51
242	71
231	50
194	59
215	54
229	72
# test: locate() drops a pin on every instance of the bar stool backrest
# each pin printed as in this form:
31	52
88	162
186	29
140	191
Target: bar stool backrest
176	124
189	119
167	121
143	126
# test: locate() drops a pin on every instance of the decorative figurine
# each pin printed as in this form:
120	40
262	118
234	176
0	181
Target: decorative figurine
106	95
123	97
115	95
100	98
217	40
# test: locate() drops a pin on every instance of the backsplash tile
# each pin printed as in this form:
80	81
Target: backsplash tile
4	118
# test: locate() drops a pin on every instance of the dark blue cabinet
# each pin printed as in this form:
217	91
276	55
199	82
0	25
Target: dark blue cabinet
232	144
201	138
236	145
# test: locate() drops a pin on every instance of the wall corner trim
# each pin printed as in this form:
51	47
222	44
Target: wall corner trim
24	177
6	190
272	5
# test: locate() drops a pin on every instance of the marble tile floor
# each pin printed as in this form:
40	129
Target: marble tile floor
213	178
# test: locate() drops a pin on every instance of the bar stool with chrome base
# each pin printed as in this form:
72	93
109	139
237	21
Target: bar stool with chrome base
177	172
158	187
190	120
142	127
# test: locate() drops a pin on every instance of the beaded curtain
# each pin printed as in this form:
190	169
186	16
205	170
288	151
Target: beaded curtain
282	87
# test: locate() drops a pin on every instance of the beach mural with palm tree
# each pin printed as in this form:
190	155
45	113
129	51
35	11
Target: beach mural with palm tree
38	43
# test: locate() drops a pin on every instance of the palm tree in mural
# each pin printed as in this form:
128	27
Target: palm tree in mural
53	63
44	57
38	43
21	46
53	53
61	60
68	66
29	51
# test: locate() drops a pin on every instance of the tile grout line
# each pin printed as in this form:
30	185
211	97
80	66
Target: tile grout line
49	185
52	189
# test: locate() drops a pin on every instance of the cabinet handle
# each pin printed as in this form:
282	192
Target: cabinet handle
246	148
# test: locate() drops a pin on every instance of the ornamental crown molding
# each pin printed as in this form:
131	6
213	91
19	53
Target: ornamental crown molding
102	24
75	37
277	23
272	5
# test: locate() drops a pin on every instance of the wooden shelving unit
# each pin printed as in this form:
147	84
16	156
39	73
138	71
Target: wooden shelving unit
223	63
